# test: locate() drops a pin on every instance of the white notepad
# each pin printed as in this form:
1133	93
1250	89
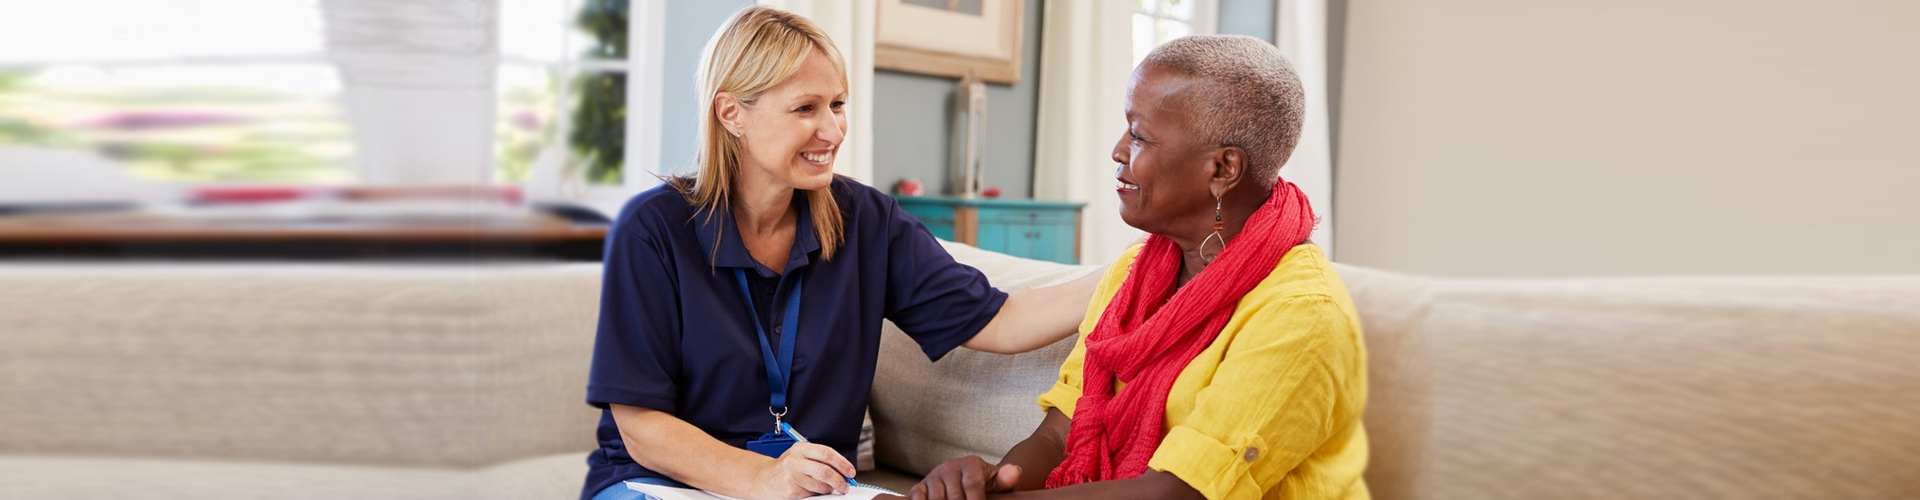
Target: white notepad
858	492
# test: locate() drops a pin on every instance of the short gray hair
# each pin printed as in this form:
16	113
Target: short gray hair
1249	97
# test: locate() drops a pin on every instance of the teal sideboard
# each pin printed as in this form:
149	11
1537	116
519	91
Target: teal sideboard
1040	230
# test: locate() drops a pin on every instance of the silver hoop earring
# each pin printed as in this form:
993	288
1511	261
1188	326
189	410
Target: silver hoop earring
1218	224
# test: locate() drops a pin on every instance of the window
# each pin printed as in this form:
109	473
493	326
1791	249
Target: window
322	91
1157	21
163	88
563	88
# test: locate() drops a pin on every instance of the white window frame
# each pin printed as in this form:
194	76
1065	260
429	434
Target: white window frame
1205	21
646	38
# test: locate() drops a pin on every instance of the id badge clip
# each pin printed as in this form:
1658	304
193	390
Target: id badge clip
776	443
771	444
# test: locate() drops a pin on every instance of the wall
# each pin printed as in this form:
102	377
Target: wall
1336	76
913	115
689	25
1252	18
1502	138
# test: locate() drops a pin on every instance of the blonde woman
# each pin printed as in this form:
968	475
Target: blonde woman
741	308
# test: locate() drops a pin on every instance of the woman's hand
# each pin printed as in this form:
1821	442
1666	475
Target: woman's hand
965	478
805	470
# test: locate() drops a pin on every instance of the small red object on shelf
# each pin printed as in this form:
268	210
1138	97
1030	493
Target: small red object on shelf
511	195
909	187
251	194
992	192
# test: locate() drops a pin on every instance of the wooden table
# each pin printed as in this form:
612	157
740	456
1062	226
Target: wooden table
126	235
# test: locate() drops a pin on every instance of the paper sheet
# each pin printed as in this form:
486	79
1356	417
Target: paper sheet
861	492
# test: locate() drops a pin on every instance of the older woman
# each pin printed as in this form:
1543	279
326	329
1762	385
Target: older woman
1223	358
765	247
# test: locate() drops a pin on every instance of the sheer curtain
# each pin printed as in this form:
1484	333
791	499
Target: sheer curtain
1300	29
1085	59
418	87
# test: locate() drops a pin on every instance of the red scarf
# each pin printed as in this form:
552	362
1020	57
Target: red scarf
1147	344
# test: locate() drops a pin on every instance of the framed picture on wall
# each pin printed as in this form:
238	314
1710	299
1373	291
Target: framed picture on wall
951	37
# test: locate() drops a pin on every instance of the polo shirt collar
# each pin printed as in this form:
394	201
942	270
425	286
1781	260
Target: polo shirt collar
722	233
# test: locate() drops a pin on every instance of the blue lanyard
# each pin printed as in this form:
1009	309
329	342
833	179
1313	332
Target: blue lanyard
778	369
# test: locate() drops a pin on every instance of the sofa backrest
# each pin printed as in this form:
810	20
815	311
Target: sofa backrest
1792	387
969	403
450	365
1393	313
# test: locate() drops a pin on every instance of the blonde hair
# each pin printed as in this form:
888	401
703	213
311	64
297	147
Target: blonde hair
756	50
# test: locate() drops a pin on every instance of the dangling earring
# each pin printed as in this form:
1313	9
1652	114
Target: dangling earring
1218	224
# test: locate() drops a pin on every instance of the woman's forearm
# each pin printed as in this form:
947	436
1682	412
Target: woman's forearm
1037	317
1036	459
1041	452
663	443
1154	485
1046	448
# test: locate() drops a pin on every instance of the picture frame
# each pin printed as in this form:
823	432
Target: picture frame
951	38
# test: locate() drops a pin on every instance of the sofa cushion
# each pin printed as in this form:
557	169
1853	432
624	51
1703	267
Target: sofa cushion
84	478
1800	387
557	476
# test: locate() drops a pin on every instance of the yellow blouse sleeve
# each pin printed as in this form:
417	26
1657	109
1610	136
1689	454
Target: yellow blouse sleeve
1066	391
1269	405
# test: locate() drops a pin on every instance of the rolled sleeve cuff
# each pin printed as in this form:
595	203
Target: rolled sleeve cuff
1062	396
1217	470
600	396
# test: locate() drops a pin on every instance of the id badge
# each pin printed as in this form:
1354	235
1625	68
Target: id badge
772	445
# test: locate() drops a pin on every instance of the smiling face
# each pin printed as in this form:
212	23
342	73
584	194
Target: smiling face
789	134
1165	173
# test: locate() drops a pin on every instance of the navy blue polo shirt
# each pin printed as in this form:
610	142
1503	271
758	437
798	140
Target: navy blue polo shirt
675	333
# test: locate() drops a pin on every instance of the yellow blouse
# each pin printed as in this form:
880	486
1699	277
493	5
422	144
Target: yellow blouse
1271	409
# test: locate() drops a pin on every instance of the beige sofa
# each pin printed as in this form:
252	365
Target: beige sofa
294	381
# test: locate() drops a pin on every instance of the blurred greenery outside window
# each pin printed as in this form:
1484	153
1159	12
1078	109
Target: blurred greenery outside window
162	88
580	74
599	131
181	92
211	130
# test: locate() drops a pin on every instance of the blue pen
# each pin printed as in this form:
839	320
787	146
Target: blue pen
790	432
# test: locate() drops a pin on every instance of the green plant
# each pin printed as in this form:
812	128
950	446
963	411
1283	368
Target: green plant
600	117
